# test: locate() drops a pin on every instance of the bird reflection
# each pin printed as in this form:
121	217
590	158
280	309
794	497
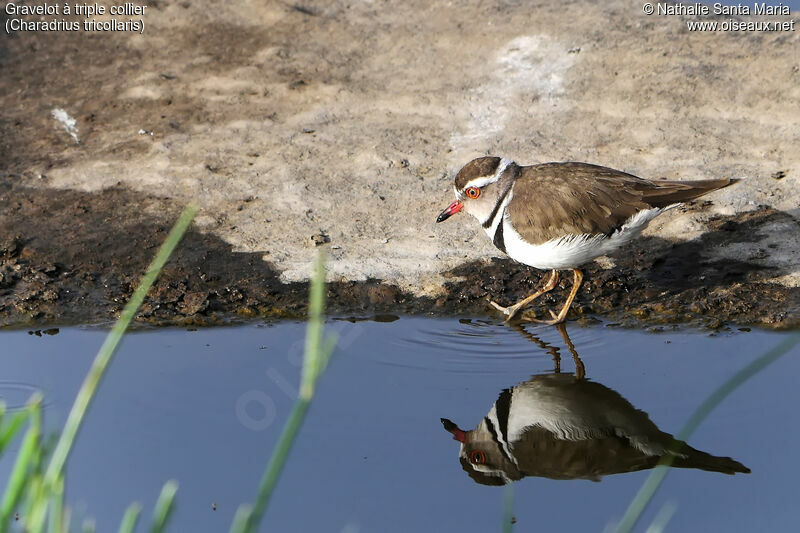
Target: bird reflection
563	426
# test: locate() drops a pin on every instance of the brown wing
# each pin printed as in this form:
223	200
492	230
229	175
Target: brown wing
555	199
540	453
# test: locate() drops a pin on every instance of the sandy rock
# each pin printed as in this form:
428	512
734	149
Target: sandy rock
349	120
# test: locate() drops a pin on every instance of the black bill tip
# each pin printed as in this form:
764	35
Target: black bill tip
448	425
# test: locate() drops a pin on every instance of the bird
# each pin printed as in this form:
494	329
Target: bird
564	426
560	427
559	216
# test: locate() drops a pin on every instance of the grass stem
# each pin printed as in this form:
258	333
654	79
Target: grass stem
315	359
101	360
656	477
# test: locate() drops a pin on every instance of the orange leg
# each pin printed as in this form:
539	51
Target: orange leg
580	369
562	315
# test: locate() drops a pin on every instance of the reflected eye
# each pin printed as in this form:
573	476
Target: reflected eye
477	457
473	192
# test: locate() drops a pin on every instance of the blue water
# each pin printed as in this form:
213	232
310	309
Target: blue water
205	408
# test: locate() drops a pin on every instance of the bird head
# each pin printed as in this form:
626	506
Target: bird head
477	189
480	455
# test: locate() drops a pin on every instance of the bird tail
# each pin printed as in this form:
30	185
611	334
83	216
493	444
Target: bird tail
692	458
668	193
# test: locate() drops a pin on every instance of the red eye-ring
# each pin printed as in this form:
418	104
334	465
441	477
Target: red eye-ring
477	457
473	192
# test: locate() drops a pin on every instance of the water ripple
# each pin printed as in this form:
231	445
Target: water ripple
16	394
482	345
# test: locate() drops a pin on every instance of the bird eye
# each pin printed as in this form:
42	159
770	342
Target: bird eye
477	457
473	192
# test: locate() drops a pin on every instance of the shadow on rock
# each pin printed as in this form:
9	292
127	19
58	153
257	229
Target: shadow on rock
74	257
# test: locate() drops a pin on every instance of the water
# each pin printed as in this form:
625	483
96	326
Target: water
206	407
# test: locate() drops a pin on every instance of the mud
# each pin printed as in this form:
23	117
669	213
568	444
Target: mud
72	257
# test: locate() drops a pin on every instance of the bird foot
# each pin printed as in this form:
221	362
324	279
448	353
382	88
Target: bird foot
556	319
546	322
510	311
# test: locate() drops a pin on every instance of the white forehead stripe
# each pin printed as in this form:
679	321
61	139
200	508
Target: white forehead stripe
486	180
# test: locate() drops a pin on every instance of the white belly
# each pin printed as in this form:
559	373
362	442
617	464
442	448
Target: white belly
571	251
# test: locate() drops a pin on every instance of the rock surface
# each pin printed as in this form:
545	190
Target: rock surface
341	124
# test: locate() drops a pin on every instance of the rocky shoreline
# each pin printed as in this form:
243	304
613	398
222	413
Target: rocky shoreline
67	259
341	125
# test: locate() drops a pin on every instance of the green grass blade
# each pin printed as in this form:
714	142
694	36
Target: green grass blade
314	362
508	509
67	519
241	518
11	428
55	523
662	518
21	473
277	462
130	518
35	505
89	526
164	506
656	477
314	358
110	344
